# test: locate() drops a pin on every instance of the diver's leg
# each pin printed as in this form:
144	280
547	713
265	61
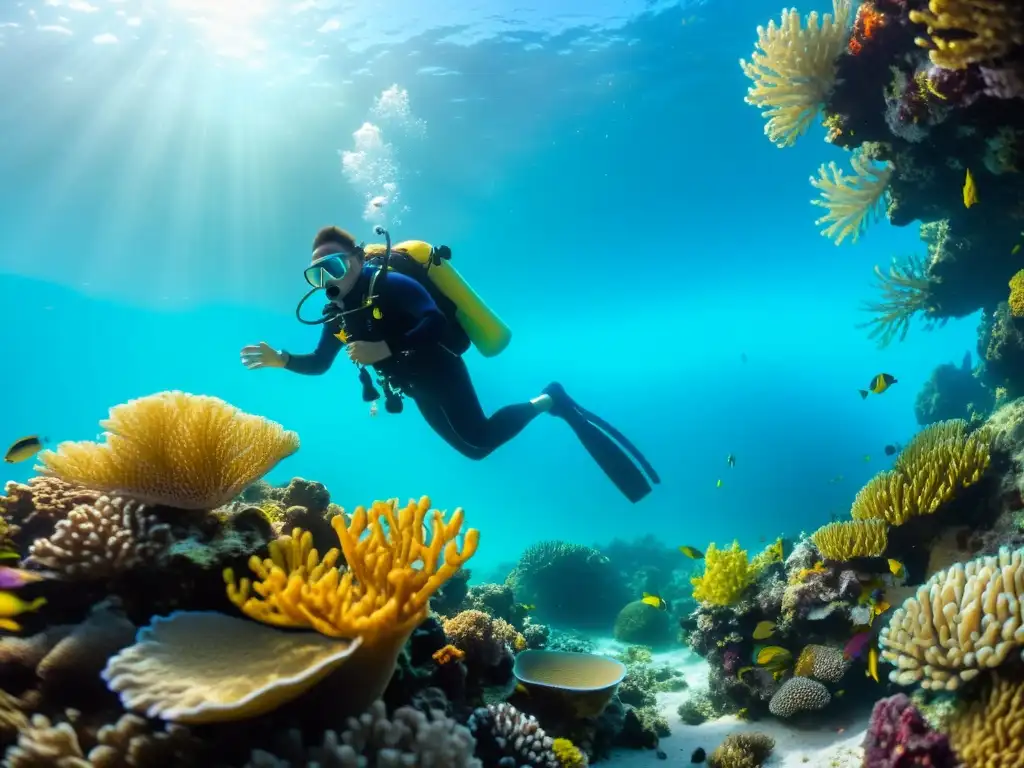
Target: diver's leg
451	400
435	416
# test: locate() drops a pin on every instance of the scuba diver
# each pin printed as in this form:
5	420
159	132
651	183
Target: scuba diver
409	315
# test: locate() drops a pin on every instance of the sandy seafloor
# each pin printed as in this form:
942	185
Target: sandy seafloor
835	743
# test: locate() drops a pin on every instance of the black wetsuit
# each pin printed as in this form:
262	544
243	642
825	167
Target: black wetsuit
420	365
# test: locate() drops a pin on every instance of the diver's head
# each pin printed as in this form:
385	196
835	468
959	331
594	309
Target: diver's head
336	264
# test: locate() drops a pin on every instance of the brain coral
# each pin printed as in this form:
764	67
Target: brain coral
799	694
962	620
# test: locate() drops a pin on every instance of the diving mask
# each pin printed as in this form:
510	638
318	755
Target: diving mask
323	270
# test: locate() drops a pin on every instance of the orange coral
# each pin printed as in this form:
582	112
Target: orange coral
448	654
869	21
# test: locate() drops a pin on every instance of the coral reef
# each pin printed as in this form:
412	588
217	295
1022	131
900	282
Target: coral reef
952	392
551	575
742	750
408	737
799	694
175	449
898	736
989	731
962	620
642	624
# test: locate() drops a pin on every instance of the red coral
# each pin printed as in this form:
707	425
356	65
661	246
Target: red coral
899	737
869	21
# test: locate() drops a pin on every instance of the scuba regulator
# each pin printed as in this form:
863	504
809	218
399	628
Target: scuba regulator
392	396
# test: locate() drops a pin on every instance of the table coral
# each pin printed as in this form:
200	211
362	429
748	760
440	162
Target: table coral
175	449
961	621
898	737
187	667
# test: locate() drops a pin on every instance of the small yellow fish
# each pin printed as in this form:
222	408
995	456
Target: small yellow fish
24	448
522	689
872	670
742	713
897	569
867	457
879	608
11	605
878	384
1016	250
840	693
773	655
970	190
718	484
764	630
342	336
742	671
528	607
692	552
9	554
654	601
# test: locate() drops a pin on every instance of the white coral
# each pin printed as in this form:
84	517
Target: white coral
100	540
961	621
793	68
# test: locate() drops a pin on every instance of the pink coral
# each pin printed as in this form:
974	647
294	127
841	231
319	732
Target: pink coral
899	737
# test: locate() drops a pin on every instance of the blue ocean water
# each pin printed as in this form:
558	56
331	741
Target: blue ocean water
164	166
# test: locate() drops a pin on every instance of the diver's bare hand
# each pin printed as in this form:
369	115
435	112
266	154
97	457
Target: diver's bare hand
368	352
262	356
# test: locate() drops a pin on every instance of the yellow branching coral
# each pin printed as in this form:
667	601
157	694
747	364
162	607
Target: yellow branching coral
962	620
906	292
176	449
939	461
207	667
844	541
727	573
989	732
852	201
965	32
391	574
793	68
1017	294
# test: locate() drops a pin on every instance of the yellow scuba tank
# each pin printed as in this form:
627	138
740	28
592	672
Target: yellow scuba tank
484	328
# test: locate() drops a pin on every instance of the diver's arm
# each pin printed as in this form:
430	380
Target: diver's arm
413	299
320	359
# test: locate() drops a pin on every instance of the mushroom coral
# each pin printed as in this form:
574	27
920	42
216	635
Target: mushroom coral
197	668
